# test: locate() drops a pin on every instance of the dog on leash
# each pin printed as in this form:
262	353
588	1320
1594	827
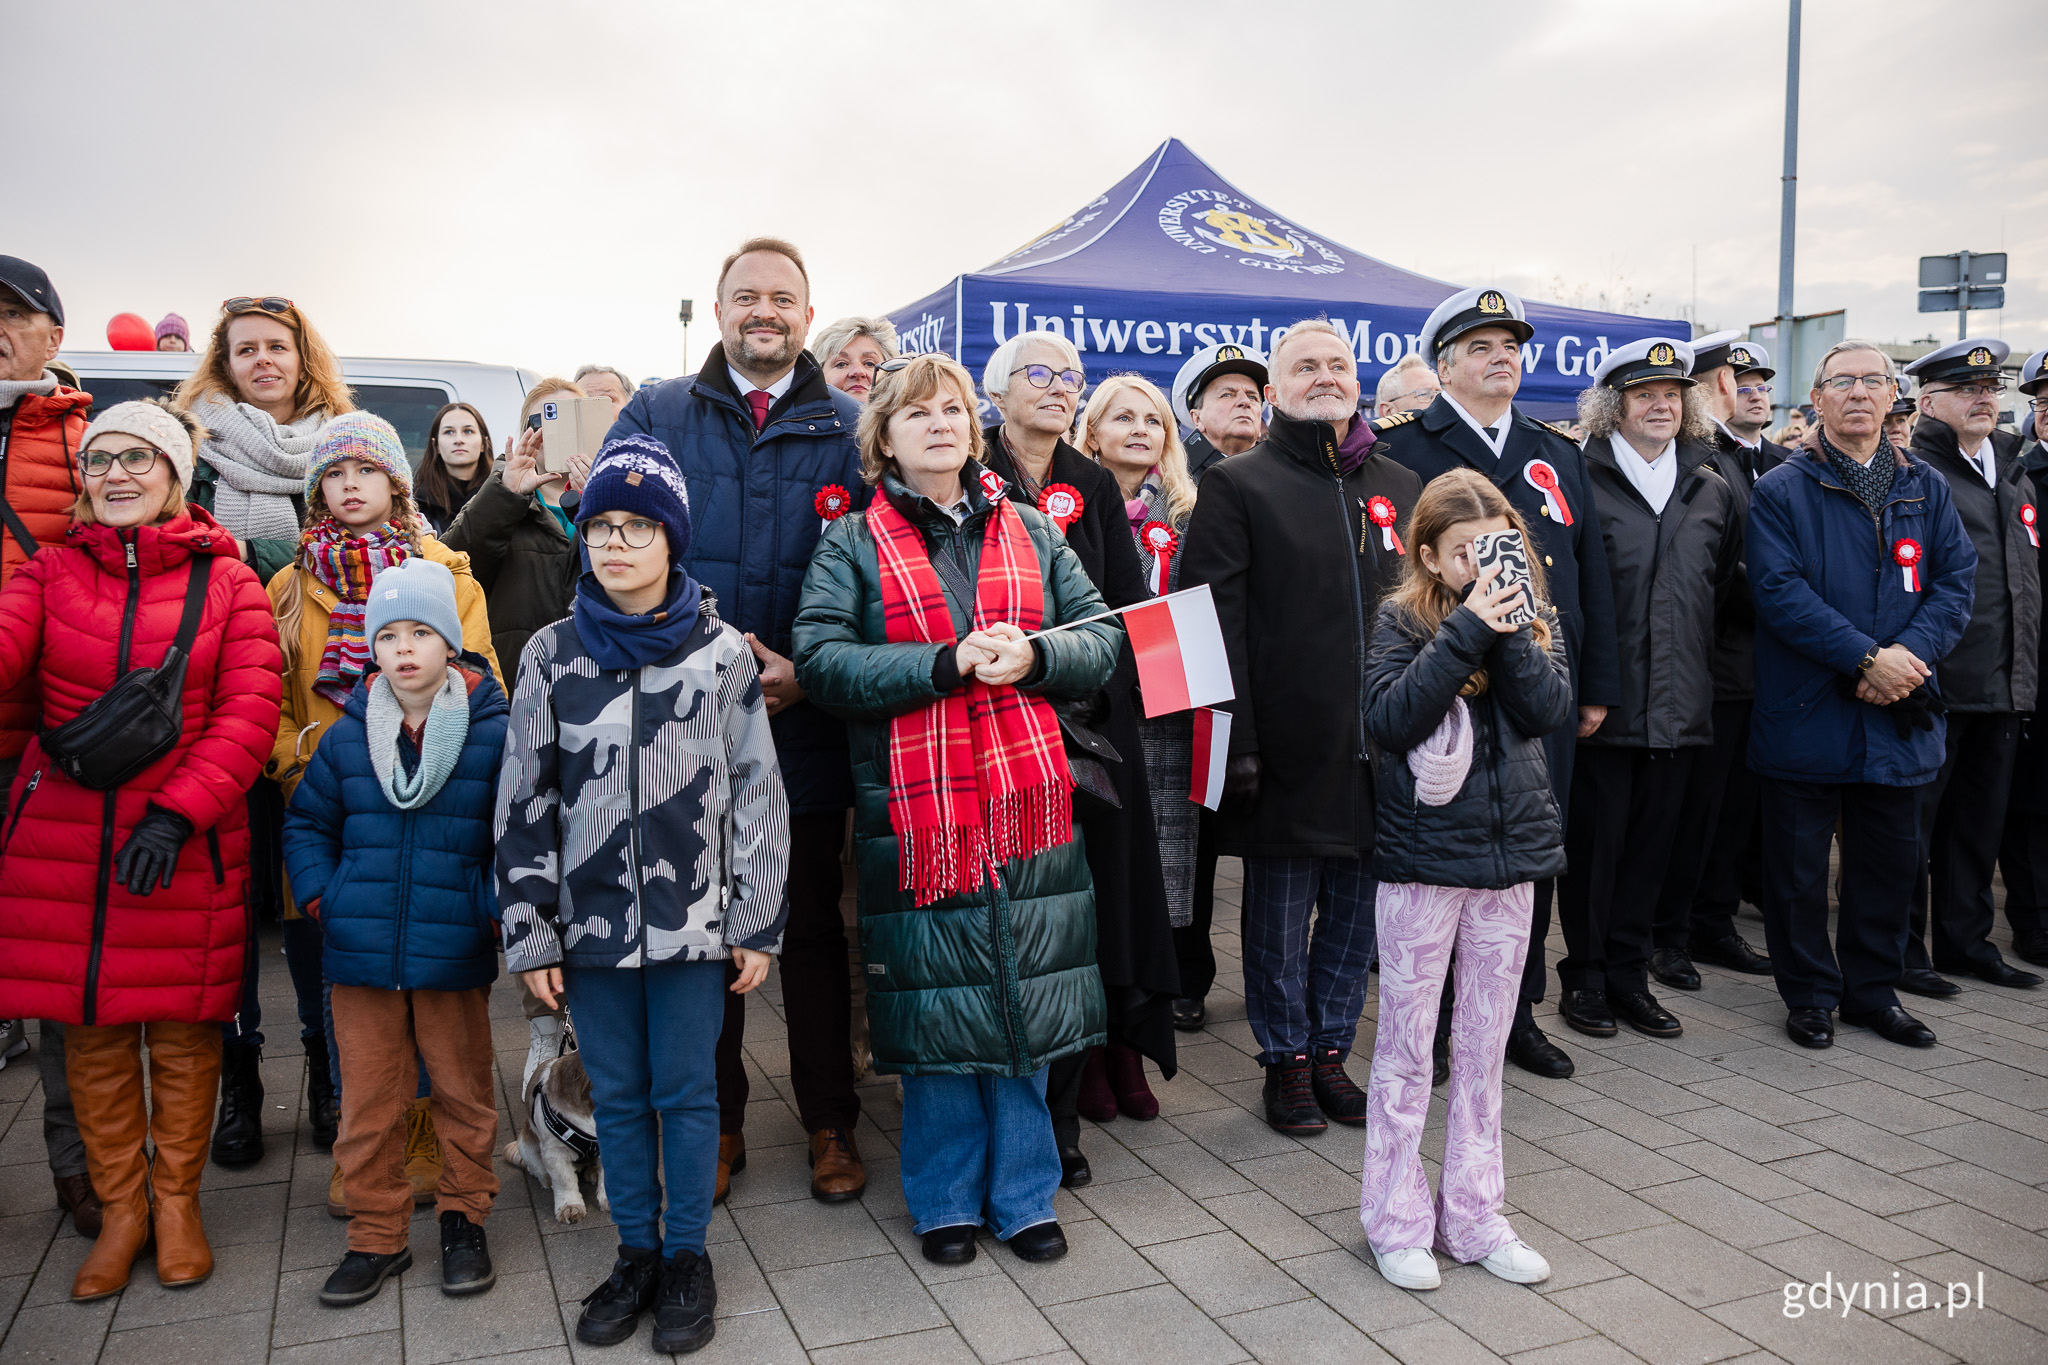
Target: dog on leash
558	1135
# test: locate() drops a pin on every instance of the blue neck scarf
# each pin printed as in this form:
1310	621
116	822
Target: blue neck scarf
617	640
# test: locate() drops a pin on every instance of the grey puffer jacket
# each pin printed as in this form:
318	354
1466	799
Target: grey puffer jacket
1502	828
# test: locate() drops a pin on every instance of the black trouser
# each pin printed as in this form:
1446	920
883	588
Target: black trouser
1624	818
816	996
1191	944
1962	818
1703	881
2023	863
1880	847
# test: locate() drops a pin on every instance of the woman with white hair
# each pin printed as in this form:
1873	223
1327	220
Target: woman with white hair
850	350
1035	380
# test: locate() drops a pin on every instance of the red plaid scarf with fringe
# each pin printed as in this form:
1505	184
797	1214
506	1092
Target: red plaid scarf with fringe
979	776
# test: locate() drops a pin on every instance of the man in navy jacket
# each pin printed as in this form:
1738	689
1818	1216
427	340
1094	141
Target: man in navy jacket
1863	578
759	435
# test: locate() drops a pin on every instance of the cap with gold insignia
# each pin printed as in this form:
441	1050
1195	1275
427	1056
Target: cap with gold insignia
2032	380
1970	358
1641	361
1212	362
1750	357
1462	312
1713	351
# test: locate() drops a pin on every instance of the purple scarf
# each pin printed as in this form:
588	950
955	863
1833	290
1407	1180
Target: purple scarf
1356	445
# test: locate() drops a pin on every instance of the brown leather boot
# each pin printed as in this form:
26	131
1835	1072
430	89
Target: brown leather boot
837	1174
732	1159
184	1076
104	1068
75	1197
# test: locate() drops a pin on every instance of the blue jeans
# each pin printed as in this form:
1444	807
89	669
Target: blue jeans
1304	993
648	1037
302	946
975	1149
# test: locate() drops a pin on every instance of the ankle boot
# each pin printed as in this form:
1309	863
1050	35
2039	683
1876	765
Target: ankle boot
238	1137
184	1073
323	1110
1096	1102
104	1068
1126	1067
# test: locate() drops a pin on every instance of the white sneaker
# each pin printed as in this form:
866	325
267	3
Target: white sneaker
544	1043
1409	1268
1518	1263
13	1040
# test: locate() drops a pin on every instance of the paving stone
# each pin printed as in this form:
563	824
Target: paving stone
59	1333
1097	1262
996	1318
2021	1205
1753	1138
1432	1343
1155	1326
1233	1134
1500	1316
1350	1285
1603	1114
1895	1111
1303	1181
375	1348
1883	1237
1223	1274
1651	1093
1820	1258
1688	1264
1194	1170
764	1338
938	1345
1580	1205
1996	1078
1823	1339
300	1317
2011	1154
799	1233
1277	1231
1759	1100
244	1276
2015	1299
1643	1319
1978	1234
1625	1165
1147	1210
1869	1189
1870	1145
1727	1215
204	1341
1980	1336
875	1296
517	1313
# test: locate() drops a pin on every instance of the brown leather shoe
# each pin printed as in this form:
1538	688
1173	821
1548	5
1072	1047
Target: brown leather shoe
75	1197
184	1076
732	1159
837	1174
104	1065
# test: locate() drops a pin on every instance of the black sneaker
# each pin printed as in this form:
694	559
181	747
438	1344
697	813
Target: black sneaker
1291	1100
682	1317
611	1312
1336	1094
360	1275
238	1133
465	1257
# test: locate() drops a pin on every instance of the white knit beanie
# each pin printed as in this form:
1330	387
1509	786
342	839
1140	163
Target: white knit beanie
1439	764
151	422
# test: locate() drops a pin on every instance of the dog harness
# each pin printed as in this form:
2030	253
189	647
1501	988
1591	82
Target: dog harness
554	1121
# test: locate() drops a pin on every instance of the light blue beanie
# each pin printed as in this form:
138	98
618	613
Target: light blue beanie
414	589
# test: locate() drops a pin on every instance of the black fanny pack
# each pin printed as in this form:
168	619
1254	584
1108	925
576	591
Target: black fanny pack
137	720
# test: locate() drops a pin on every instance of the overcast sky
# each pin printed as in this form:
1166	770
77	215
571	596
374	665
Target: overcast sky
539	184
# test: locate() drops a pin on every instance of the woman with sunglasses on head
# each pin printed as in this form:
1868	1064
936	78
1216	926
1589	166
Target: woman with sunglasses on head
1035	380
121	906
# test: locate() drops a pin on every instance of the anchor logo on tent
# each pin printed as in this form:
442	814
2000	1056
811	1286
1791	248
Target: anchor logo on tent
1239	231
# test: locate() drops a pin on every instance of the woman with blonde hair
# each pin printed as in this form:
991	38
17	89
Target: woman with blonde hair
1459	693
850	349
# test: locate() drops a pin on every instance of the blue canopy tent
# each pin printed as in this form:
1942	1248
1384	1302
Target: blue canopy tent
1175	258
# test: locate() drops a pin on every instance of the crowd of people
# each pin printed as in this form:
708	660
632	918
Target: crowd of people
628	724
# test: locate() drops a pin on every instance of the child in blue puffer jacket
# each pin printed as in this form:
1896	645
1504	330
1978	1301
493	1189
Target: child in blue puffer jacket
389	845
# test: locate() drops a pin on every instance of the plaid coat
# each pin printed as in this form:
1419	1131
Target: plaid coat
998	981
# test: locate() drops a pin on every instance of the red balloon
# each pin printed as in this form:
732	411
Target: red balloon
128	332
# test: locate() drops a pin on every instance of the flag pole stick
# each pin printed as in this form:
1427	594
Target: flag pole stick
1098	616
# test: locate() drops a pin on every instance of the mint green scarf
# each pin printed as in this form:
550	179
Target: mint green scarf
440	742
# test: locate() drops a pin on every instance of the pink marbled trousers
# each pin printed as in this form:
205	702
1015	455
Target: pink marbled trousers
1418	926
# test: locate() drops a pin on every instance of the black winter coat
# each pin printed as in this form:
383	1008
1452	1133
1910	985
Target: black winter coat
523	560
2030	770
1735	632
1503	827
1995	666
1671	575
1297	572
1203	455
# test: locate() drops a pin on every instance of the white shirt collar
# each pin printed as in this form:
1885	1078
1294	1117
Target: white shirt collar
744	386
1654	479
1498	445
1986	461
1757	444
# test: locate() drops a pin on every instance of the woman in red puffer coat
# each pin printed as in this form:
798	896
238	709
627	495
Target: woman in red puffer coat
122	913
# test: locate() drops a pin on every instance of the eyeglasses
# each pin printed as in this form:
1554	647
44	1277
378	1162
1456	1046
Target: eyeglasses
1041	377
246	304
638	533
2039	405
1988	389
137	460
1753	390
1842	383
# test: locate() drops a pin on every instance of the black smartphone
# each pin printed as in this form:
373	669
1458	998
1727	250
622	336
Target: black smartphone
1506	549
533	422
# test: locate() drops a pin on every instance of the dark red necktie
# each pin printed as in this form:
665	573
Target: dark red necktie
760	400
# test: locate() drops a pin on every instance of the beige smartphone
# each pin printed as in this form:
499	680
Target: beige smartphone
571	426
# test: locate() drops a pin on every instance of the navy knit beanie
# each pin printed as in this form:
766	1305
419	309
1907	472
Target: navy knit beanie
636	474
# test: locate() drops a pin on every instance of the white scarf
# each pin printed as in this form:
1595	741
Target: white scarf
262	466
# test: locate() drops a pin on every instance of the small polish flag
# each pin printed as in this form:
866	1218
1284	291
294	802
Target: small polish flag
1212	753
1179	647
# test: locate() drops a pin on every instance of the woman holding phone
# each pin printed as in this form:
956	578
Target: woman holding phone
1458	698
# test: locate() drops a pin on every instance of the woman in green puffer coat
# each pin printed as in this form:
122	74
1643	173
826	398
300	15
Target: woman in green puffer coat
977	915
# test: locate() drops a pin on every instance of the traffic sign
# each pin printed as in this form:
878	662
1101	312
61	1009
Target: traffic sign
1944	272
1944	300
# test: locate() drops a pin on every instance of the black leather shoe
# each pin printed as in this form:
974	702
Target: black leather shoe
1291	1100
1074	1171
1587	1012
1190	1015
360	1275
238	1133
1641	1012
1928	982
1674	969
1810	1028
1336	1094
950	1246
1732	952
611	1312
1039	1242
323	1109
1530	1049
682	1312
2034	950
1440	1059
465	1257
1894	1025
2004	974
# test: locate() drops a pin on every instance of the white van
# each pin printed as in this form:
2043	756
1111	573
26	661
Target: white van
405	393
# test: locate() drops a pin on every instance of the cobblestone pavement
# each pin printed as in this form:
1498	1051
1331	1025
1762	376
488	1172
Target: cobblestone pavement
1677	1188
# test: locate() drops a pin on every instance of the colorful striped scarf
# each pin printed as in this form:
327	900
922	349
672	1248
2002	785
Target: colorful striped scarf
979	776
346	564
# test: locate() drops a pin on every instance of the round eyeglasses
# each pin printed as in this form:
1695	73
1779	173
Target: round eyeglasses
136	460
637	532
1041	376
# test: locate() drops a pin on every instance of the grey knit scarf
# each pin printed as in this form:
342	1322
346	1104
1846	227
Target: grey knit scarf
440	741
12	391
262	467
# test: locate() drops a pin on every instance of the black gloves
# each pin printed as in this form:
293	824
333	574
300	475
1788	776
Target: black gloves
149	857
1916	710
1241	779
